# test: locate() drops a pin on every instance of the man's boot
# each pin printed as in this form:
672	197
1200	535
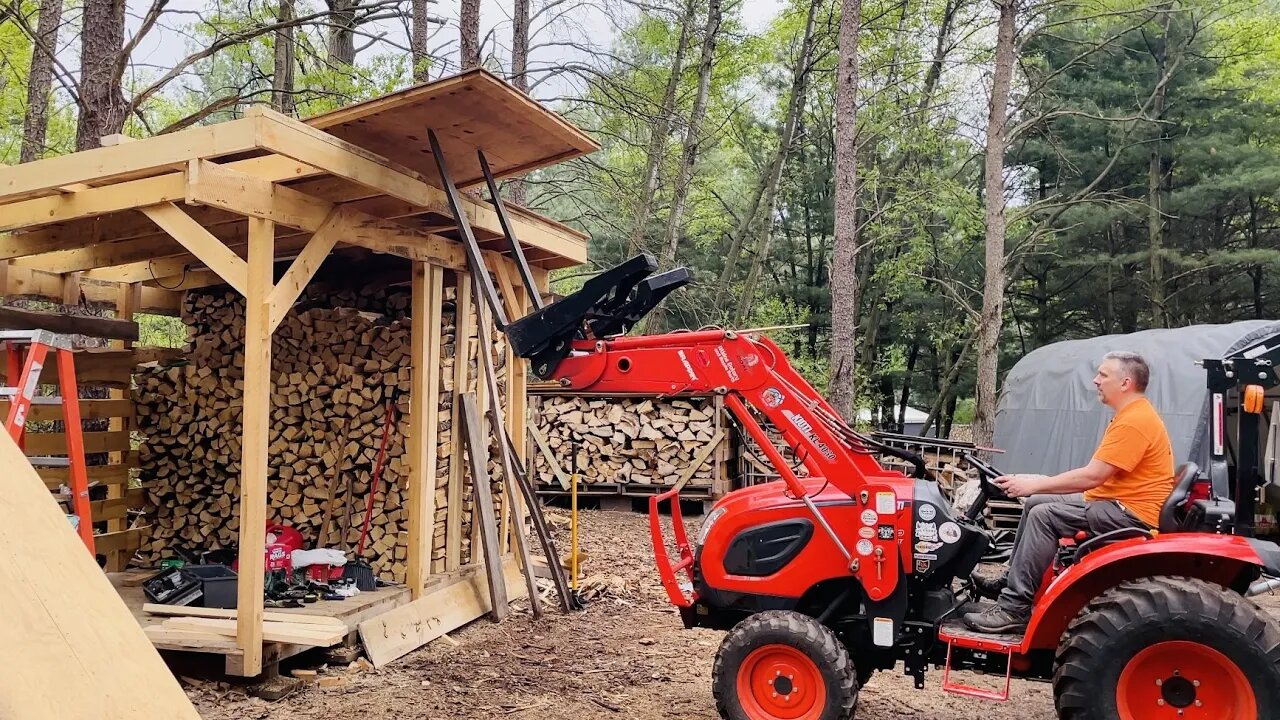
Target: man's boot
989	587
998	619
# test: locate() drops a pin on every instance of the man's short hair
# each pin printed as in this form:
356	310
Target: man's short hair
1134	366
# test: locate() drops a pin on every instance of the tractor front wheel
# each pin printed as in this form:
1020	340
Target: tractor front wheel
1169	647
779	665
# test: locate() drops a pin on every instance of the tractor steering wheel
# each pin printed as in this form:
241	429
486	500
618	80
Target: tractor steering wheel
987	490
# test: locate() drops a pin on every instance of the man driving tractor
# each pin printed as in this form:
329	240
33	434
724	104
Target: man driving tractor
1123	485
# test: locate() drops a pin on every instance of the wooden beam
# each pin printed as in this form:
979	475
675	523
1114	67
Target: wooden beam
189	611
65	625
427	287
274	631
254	443
98	327
221	187
73	235
464	325
28	282
201	243
304	267
144	156
92	202
216	186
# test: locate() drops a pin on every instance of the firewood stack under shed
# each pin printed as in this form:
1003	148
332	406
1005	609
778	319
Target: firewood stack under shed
337	359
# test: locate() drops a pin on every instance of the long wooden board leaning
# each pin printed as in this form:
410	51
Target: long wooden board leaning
396	633
76	651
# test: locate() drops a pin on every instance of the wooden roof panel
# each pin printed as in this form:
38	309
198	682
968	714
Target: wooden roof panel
469	112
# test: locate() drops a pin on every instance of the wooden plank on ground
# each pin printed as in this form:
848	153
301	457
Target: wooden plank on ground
98	327
398	632
188	640
477	457
219	613
65	627
283	632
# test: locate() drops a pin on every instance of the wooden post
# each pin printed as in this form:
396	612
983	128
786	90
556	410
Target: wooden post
253	460
464	321
424	402
127	302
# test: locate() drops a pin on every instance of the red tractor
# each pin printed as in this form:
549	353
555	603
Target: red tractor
822	581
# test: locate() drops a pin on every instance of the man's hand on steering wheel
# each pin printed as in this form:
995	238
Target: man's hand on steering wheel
1018	486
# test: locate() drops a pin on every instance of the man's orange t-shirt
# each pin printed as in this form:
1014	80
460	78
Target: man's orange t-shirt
1137	443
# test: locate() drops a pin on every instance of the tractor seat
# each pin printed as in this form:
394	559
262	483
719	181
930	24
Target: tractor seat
1173	512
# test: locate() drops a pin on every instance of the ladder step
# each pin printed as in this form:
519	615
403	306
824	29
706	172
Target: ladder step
50	462
42	337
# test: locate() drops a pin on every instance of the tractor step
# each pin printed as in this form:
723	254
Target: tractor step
957	635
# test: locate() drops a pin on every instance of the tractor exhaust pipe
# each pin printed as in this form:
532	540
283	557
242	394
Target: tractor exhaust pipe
1264	585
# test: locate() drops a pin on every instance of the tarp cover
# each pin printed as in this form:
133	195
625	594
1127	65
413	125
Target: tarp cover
1049	418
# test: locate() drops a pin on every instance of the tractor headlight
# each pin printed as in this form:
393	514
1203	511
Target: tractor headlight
707	522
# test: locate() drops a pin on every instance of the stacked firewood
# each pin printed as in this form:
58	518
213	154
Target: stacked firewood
336	373
630	441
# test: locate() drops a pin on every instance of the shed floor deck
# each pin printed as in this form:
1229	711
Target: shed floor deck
352	611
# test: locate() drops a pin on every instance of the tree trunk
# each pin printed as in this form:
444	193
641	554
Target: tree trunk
795	109
469	34
693	132
692	136
994	278
844	262
739	236
517	191
912	356
282	83
658	133
342	37
102	104
944	390
1155	177
35	124
418	42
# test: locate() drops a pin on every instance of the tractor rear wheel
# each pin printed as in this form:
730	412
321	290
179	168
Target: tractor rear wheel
1169	647
780	665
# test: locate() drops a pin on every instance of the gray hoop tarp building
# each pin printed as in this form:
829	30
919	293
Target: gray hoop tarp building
1049	418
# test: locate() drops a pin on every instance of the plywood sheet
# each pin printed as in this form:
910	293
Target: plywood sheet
65	627
470	111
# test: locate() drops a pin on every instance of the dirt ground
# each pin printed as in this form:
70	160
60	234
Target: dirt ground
626	657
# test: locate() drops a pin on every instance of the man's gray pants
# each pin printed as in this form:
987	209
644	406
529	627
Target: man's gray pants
1046	519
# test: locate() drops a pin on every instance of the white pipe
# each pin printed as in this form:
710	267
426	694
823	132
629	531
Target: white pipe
1263	585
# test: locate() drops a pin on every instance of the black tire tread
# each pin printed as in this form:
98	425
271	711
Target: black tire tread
1172	597
792	624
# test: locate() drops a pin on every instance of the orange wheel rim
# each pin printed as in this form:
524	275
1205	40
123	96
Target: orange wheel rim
1186	681
779	682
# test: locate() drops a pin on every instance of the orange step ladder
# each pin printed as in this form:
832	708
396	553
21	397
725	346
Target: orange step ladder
21	396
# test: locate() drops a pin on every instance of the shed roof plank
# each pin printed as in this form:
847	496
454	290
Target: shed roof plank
21	182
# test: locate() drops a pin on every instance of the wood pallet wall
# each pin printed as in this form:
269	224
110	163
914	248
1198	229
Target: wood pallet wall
334	365
631	445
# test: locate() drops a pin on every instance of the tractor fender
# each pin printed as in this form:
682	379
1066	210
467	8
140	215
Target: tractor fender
1227	560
